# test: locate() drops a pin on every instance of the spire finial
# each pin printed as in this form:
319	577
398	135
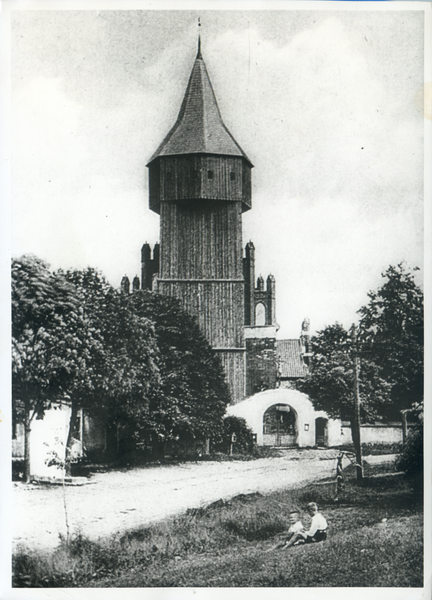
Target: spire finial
199	39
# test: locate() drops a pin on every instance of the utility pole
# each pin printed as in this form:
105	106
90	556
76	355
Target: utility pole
356	425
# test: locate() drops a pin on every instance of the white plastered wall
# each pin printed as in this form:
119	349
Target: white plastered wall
49	435
253	408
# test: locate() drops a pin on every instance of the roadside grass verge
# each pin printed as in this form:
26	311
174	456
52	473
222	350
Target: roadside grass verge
375	449
375	539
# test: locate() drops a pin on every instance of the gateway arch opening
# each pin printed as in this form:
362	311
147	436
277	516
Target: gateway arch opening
280	426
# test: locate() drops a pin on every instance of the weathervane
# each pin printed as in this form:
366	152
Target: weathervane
199	39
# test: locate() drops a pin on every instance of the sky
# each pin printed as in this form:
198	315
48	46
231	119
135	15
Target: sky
326	104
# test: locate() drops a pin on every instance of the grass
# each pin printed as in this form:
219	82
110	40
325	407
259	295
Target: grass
375	540
370	449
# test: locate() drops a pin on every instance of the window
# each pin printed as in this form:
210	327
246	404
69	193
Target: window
210	174
232	176
260	315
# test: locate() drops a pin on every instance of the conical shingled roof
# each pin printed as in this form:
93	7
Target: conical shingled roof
199	127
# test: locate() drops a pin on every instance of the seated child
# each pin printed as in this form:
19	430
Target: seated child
295	527
317	531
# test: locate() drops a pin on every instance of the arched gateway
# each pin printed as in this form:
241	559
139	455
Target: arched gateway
280	426
280	417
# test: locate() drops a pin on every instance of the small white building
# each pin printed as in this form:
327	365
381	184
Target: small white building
286	417
48	439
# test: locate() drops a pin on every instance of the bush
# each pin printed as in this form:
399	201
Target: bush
243	444
411	459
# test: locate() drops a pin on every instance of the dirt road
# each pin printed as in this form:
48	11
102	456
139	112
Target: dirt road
121	500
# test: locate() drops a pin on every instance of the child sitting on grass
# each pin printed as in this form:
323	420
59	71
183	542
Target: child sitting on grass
295	527
317	531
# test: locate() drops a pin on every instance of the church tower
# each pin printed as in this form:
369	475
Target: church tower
200	184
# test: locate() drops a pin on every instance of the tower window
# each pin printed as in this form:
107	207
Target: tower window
232	176
210	174
260	315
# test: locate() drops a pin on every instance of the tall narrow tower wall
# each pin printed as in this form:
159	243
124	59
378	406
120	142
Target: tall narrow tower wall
201	265
209	246
200	184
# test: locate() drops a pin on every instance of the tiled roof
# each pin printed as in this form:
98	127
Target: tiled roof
289	358
199	127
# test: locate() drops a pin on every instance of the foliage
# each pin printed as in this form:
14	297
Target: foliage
390	350
193	394
120	377
45	313
411	458
330	382
135	360
46	328
392	336
380	524
375	448
77	340
243	436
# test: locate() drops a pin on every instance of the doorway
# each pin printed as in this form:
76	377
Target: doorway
280	426
321	431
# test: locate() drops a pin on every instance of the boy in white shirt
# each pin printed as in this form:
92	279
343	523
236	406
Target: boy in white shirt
295	527
317	531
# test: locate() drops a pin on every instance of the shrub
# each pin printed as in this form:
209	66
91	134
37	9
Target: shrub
243	436
411	459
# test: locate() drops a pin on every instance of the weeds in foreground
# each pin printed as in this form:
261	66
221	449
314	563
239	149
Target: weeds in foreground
196	548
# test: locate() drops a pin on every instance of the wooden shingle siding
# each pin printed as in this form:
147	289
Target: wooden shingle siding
217	306
234	367
200	184
185	178
201	241
154	186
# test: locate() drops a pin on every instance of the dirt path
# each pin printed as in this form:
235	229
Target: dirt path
121	500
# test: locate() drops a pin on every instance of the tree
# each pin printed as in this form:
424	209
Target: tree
193	394
244	442
77	341
411	459
331	378
114	378
331	381
44	310
392	335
